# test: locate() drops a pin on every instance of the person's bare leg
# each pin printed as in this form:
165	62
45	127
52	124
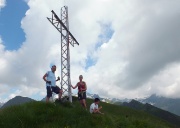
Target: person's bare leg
81	102
84	103
47	99
60	94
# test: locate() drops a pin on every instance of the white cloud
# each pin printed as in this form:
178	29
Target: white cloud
2	4
133	63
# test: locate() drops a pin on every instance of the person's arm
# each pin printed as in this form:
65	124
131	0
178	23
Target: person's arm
85	86
74	86
98	110
44	78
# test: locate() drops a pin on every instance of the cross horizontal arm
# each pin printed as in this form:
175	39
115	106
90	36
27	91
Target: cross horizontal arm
56	21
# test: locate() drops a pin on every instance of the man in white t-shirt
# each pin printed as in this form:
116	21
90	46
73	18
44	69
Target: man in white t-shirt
94	107
51	86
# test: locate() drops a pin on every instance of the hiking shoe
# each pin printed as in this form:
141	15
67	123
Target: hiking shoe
59	100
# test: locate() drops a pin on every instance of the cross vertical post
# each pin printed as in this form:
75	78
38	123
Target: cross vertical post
62	25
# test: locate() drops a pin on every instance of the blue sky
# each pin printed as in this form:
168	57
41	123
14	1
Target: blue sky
105	35
10	24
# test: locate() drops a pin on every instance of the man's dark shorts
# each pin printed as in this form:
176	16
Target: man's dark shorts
55	89
81	95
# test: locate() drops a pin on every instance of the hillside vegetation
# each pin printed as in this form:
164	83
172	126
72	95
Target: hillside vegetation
39	114
165	115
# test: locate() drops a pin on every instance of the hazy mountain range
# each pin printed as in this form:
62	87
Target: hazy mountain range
168	104
1	104
165	115
134	104
17	101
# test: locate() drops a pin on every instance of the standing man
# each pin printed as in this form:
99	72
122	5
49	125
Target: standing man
50	80
81	91
94	107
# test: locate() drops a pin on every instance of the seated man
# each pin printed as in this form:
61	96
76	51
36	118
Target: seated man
94	107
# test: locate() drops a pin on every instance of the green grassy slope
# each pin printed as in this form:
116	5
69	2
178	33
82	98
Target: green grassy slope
66	115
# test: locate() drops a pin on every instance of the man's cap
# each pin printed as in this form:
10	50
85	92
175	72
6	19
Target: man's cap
52	64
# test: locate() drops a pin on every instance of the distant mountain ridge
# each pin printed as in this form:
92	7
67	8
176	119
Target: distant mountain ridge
107	100
17	101
165	115
39	114
168	104
1	104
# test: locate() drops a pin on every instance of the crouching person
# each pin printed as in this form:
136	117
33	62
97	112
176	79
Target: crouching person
94	107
